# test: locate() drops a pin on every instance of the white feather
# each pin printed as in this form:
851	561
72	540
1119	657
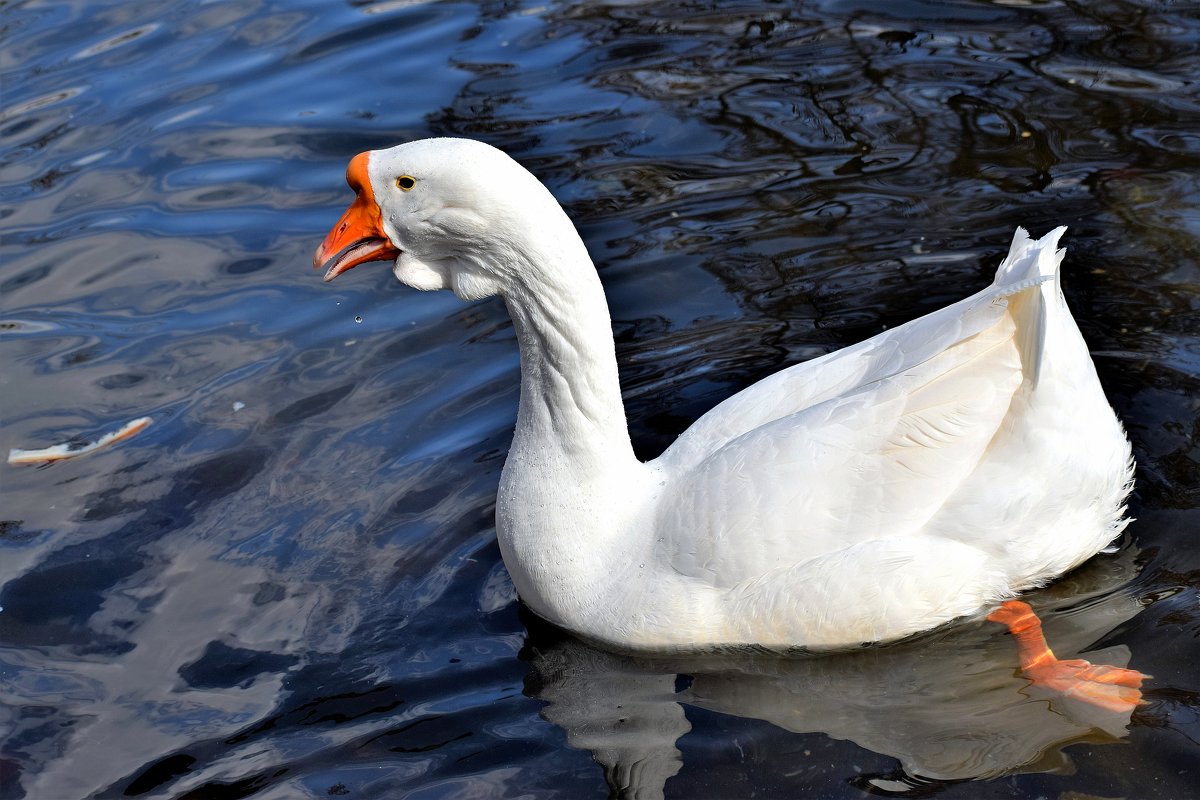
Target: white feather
862	496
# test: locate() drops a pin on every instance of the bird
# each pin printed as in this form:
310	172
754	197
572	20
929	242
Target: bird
879	491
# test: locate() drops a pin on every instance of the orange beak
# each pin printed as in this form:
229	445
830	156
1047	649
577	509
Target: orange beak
358	236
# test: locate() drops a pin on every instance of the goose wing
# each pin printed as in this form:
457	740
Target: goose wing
848	371
874	452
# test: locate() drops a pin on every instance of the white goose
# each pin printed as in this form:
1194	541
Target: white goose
874	492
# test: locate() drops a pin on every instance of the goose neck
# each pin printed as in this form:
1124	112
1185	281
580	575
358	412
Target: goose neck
570	392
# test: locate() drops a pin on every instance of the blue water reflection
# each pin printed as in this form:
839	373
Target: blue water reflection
289	586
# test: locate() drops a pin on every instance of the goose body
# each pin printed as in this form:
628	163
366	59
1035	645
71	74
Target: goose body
863	496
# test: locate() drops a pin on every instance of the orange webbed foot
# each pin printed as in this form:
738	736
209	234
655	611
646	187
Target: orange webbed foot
1113	688
1102	673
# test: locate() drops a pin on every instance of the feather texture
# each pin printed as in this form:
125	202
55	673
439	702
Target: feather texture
863	496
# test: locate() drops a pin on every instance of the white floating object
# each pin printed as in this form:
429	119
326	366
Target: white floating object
61	452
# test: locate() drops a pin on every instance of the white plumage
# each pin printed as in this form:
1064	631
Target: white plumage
862	496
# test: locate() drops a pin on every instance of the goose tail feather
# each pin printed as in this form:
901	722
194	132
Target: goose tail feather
1028	280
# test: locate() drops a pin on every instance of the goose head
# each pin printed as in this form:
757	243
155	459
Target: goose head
452	213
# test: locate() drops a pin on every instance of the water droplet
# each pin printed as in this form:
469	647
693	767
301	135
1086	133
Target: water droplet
358	319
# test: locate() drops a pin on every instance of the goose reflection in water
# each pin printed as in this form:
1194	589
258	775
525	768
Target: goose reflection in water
949	705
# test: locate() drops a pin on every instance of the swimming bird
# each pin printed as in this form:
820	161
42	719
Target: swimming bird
877	491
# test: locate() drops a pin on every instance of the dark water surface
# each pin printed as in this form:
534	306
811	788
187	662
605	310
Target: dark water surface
289	585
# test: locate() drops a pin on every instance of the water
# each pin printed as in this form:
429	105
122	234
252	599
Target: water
289	586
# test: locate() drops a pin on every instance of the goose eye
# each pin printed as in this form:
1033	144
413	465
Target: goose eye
406	182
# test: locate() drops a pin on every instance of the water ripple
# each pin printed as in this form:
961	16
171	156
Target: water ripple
288	585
